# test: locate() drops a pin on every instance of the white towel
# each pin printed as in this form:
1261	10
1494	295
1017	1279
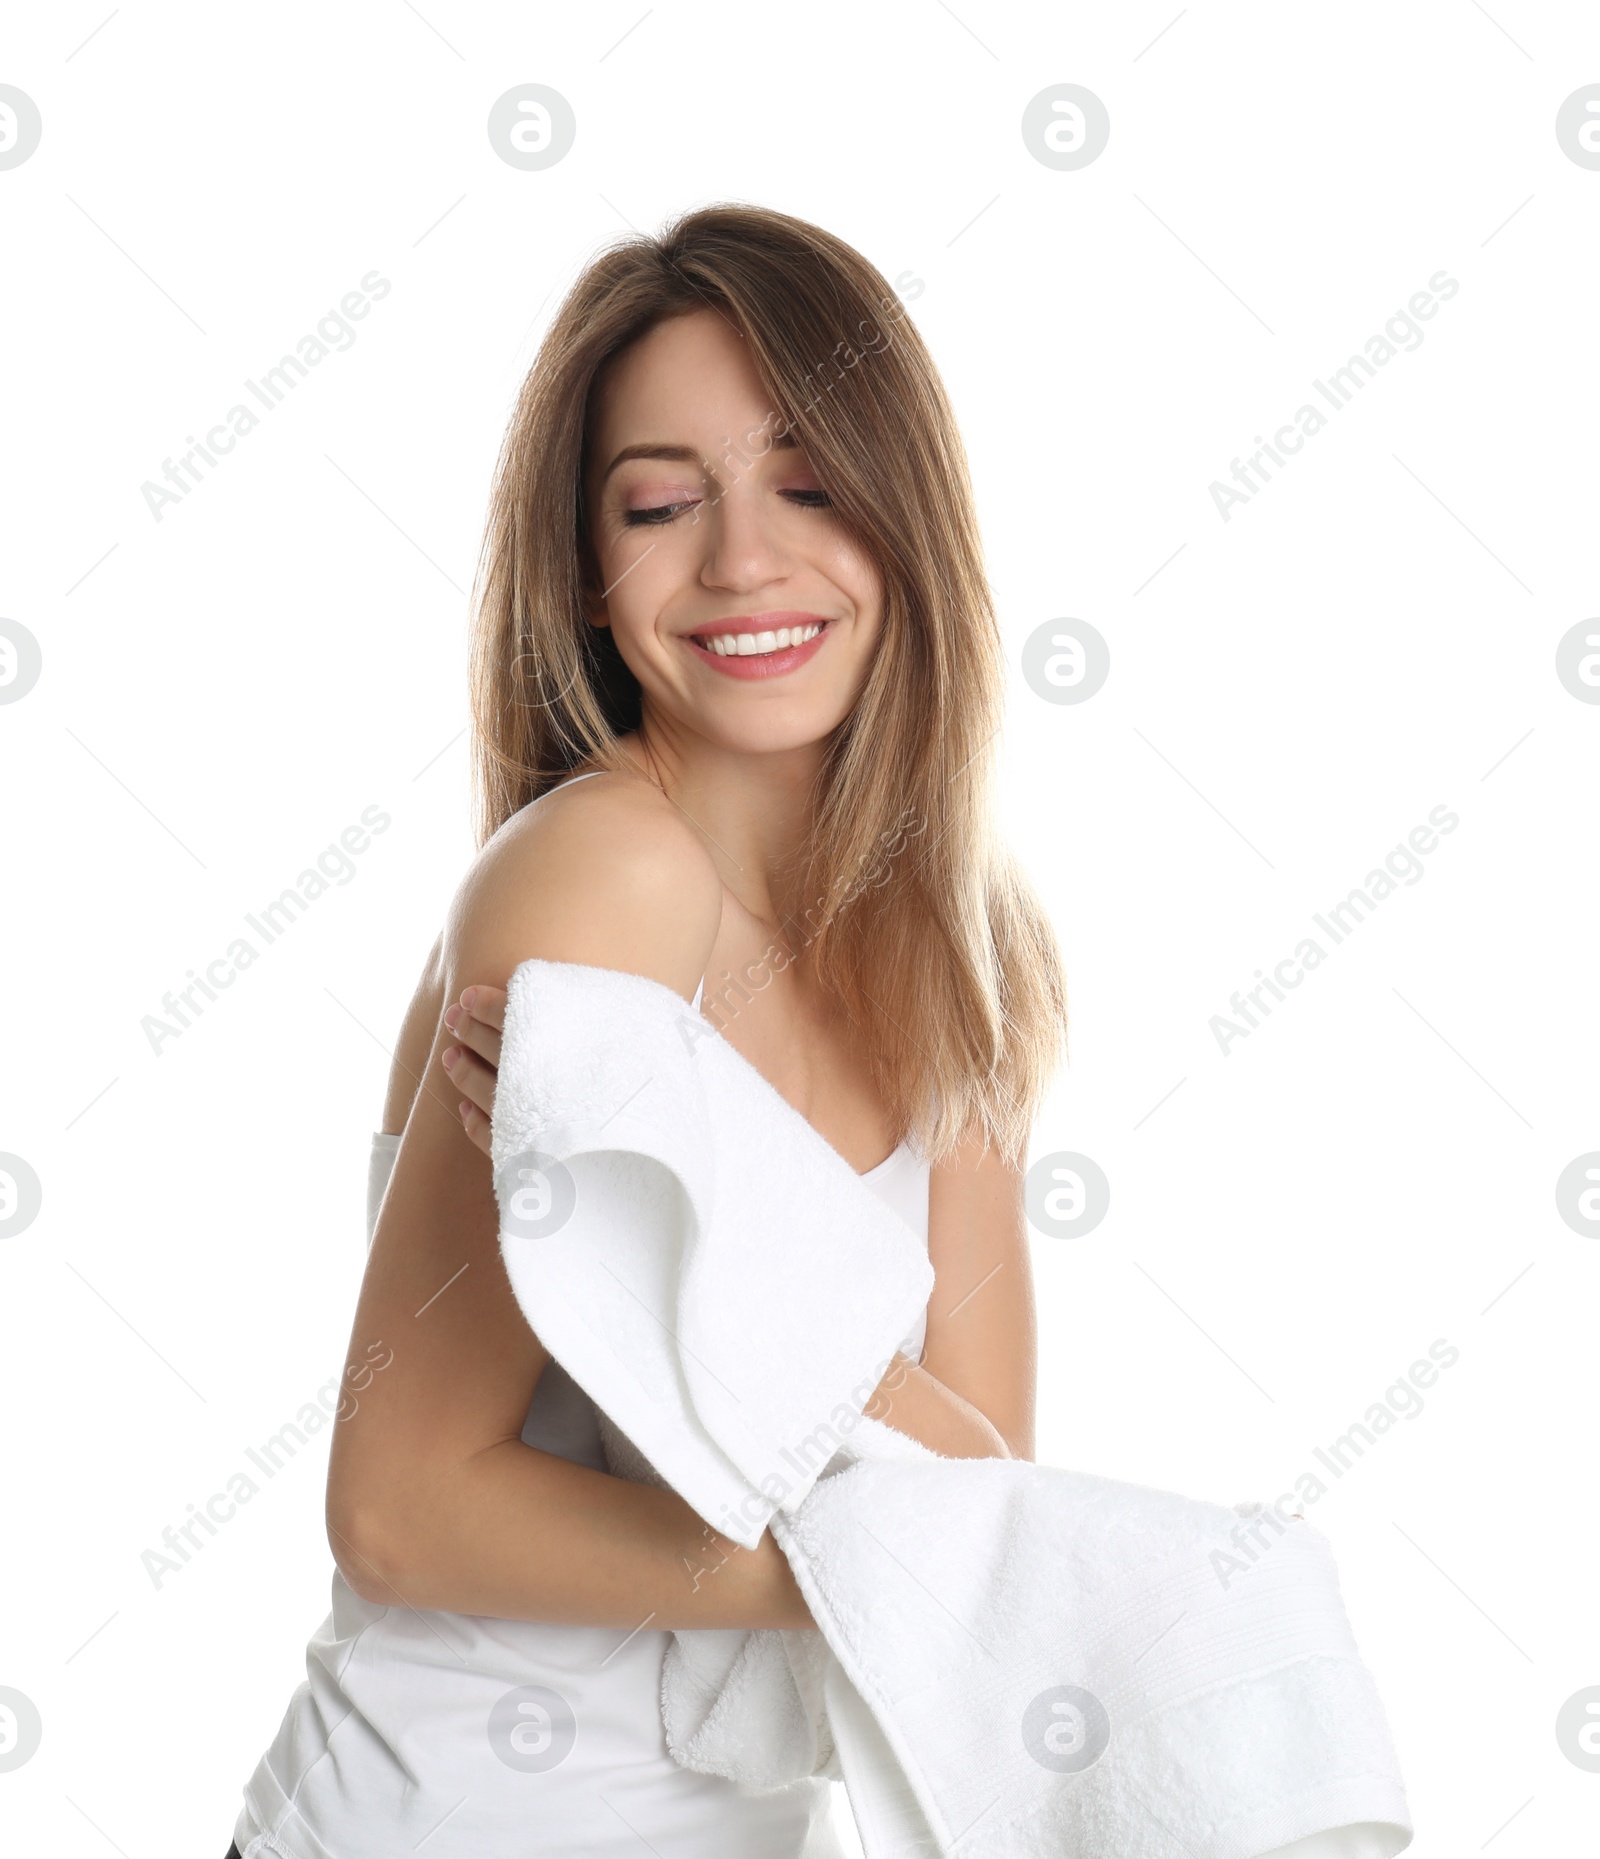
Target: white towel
1010	1659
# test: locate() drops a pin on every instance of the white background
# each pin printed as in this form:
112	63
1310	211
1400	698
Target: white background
1292	691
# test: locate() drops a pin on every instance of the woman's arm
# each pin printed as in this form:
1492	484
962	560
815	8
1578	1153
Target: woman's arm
982	1343
433	1500
972	1395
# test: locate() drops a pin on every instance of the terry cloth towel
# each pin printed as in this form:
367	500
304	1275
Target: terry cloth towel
1009	1659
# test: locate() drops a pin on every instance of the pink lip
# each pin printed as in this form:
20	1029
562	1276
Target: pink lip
769	665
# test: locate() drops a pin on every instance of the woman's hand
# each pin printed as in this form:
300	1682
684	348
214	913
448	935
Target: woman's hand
477	1021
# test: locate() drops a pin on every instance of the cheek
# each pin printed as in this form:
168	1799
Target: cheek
856	575
634	564
643	583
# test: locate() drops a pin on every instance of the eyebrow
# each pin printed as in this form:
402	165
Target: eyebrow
681	454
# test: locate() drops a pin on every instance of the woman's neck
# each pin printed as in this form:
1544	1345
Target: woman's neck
755	811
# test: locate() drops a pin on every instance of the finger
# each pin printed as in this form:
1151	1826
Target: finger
472	1032
486	1004
477	1125
478	1018
470	1076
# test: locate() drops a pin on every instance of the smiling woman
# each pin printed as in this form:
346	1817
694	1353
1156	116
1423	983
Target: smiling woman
731	605
695	367
739	421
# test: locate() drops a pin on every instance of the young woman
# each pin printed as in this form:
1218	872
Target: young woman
737	681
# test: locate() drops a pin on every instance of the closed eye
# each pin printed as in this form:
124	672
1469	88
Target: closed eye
664	513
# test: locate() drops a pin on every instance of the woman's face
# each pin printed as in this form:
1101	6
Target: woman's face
736	598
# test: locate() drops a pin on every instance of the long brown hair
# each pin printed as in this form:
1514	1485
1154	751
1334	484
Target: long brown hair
906	906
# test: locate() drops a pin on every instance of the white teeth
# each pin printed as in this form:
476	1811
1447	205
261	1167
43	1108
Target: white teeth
756	645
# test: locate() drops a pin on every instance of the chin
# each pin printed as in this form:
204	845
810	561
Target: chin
769	728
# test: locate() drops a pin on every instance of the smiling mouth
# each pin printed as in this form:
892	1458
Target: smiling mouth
762	644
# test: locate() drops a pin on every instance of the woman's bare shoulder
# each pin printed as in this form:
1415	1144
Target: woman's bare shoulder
607	872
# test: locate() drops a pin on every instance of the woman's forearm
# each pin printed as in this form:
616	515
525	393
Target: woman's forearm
521	1534
912	1401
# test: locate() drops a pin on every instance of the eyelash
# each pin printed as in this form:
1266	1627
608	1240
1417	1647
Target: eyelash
664	513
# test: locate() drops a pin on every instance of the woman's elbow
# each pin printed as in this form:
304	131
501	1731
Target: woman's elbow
363	1546
372	1523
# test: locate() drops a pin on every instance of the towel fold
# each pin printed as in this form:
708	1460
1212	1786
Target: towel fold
709	1270
1009	1659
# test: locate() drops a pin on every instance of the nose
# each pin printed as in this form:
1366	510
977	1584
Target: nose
743	549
